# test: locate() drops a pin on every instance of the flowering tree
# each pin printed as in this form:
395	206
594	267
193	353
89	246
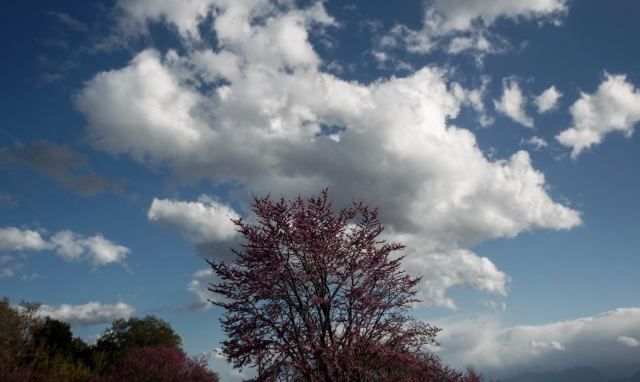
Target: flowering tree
159	364
316	295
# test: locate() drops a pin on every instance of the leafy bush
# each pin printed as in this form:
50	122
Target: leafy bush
159	364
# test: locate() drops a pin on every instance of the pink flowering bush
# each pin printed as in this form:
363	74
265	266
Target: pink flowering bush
159	364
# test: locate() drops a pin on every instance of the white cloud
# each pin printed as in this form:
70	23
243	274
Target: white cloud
415	41
513	103
226	372
16	239
464	25
207	223
442	271
96	249
184	15
486	343
462	15
67	244
91	313
264	129
628	341
162	120
199	285
475	99
477	42
547	100
536	142
202	221
615	106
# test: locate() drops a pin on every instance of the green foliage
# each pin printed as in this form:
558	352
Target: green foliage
10	337
60	367
57	354
33	349
138	332
124	335
16	329
53	337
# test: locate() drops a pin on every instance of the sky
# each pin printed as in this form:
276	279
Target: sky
497	138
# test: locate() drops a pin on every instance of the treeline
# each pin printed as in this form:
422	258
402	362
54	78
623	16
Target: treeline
36	349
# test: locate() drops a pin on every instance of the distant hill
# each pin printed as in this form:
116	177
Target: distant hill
576	374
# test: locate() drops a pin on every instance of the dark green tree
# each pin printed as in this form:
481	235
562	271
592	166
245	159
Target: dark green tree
54	337
16	329
10	334
124	335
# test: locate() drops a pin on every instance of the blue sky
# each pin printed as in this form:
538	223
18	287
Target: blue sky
497	138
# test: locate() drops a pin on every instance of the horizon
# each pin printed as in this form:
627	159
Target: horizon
498	140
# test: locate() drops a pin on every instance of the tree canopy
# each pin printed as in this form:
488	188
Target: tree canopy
317	295
35	349
138	332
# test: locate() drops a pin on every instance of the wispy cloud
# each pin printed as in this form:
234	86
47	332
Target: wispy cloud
69	21
68	168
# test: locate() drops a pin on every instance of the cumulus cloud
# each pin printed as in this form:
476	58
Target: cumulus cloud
615	106
91	313
16	239
513	103
151	107
95	249
442	271
68	168
547	100
463	26
462	15
184	15
207	223
67	244
201	221
272	121
486	343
